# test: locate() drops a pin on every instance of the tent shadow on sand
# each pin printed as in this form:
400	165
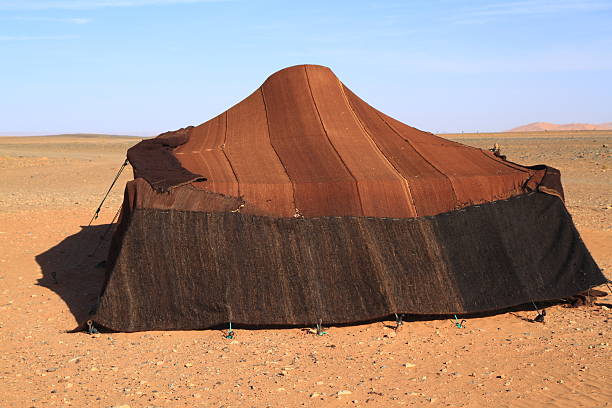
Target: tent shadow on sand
71	271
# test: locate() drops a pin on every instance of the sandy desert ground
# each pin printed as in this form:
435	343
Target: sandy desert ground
49	189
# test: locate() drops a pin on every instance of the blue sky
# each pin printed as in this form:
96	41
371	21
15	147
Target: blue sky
147	66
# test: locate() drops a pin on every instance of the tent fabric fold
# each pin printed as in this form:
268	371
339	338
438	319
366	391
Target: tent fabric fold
304	203
154	161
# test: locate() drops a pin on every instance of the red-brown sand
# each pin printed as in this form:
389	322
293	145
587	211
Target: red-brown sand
50	187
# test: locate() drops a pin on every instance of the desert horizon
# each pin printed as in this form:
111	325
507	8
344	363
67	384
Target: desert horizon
512	133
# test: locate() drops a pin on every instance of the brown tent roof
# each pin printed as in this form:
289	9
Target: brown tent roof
303	143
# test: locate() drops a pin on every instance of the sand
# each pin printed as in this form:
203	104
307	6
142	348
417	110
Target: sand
50	188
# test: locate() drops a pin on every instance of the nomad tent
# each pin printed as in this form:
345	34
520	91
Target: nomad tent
304	204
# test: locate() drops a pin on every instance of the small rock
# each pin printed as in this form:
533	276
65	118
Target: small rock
188	365
344	392
315	395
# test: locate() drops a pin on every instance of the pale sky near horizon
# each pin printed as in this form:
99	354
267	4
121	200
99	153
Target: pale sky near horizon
148	66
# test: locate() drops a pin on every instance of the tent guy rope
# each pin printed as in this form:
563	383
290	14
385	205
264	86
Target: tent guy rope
97	212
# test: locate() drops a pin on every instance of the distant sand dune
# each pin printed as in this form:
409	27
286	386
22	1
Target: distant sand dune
547	126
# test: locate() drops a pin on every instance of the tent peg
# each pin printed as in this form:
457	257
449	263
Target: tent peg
541	314
399	321
230	333
90	328
459	324
540	317
319	329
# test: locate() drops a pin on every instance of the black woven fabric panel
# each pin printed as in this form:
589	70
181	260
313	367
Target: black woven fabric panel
193	270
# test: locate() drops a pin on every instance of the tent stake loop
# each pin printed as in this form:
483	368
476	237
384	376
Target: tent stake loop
541	314
459	324
230	333
320	331
90	328
399	321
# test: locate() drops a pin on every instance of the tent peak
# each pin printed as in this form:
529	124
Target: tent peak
288	70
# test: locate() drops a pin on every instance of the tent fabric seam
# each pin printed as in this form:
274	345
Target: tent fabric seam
405	219
330	142
406	182
227	158
263	98
424	158
504	162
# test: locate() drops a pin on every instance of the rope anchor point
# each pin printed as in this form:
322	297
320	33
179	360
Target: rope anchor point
91	329
399	321
230	334
319	329
541	314
459	324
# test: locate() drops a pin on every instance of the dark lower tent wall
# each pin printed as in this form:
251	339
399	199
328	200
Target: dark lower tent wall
193	270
